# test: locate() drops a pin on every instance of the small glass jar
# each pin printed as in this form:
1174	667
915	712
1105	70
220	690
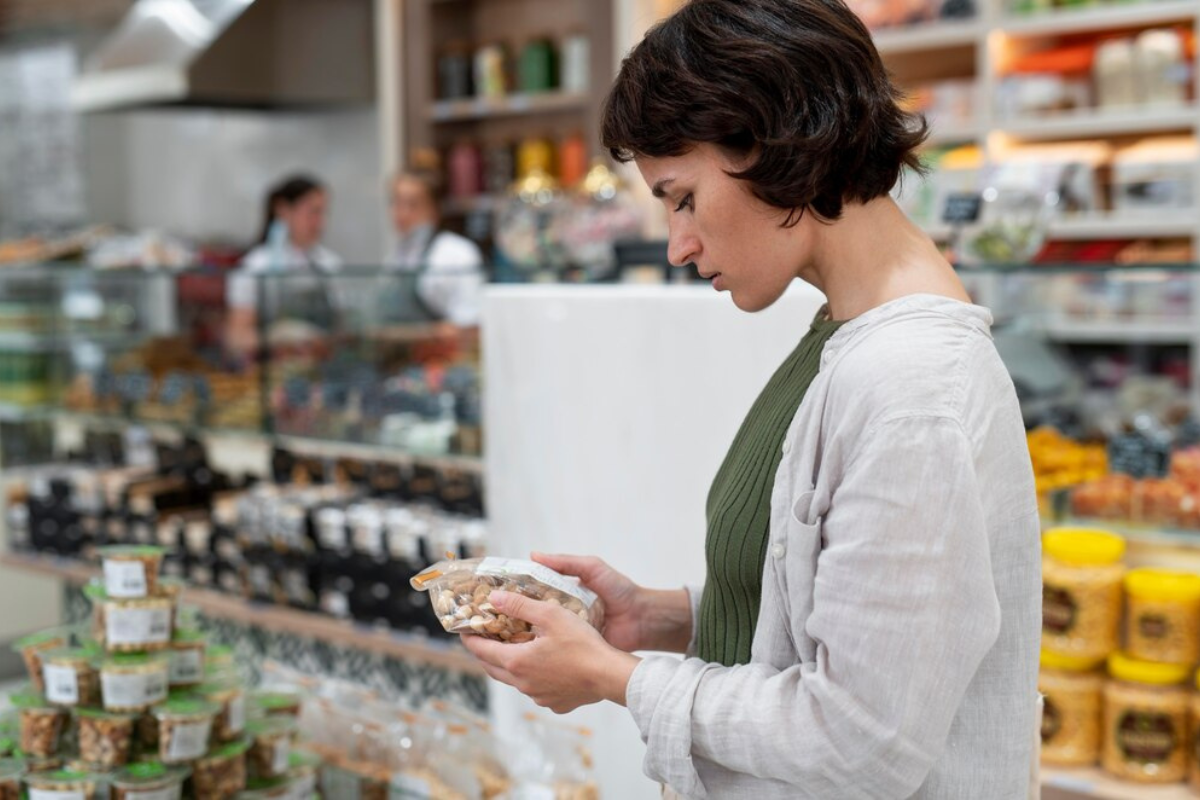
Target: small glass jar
133	682
1145	721
70	677
222	773
131	626
271	746
1081	592
231	718
1162	622
11	772
131	571
41	725
151	780
31	649
187	658
184	729
105	739
62	784
1072	717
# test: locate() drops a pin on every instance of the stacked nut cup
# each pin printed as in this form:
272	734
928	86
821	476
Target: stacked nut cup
137	709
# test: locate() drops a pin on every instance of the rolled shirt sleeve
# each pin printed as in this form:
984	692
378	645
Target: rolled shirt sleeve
904	609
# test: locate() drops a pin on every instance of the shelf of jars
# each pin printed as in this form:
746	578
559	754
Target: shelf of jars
1094	783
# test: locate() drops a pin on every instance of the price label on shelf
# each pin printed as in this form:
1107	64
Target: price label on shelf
962	208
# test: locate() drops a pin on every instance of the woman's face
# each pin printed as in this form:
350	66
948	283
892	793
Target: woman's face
305	218
412	206
733	237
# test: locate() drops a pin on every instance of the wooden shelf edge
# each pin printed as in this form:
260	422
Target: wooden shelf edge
511	105
1094	124
940	35
1092	782
449	655
1117	15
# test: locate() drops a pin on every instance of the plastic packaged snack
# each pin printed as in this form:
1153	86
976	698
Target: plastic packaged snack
271	746
11	772
129	626
184	729
105	739
151	780
230	721
70	676
133	682
459	592
65	785
1073	712
187	658
304	773
131	571
219	656
1081	592
31	649
41	724
222	773
1145	721
276	703
1163	619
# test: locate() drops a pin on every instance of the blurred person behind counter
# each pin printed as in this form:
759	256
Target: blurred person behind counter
449	267
290	244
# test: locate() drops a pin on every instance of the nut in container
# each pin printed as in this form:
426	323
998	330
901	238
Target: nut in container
11	772
184	729
460	593
131	626
41	724
151	780
222	773
105	739
131	571
70	677
230	721
271	746
32	648
133	682
187	658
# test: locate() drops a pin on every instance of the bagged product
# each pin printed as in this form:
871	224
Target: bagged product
459	592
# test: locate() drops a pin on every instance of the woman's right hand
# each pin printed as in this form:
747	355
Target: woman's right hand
635	618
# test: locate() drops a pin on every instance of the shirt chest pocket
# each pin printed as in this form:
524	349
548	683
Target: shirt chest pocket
794	549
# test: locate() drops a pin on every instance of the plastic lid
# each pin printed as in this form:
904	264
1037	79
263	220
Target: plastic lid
1083	546
131	551
84	653
39	638
230	750
1057	661
133	659
216	688
1124	668
29	700
1161	584
95	591
220	651
300	759
7	745
188	635
99	713
273	701
256	727
63	775
150	772
186	707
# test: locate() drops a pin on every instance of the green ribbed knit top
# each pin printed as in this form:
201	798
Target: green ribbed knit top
739	506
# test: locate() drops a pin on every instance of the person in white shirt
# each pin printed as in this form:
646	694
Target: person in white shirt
290	243
450	267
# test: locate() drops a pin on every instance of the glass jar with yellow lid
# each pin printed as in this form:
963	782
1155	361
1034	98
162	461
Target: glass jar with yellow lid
1081	591
1163	619
1146	720
1071	719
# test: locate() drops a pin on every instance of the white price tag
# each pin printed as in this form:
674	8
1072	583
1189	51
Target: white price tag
187	666
188	740
170	793
137	626
125	578
282	756
47	794
62	684
515	567
133	691
237	714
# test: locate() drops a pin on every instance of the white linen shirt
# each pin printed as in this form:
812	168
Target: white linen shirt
452	280
896	650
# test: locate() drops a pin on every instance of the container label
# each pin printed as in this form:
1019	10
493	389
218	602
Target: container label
237	714
187	666
137	626
1146	738
303	788
62	684
1058	610
515	567
46	794
133	691
1051	720
170	793
1153	626
282	756
125	578
189	740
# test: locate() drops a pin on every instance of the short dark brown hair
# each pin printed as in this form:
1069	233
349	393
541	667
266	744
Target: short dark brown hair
796	85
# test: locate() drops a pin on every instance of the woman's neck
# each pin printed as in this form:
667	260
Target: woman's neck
872	255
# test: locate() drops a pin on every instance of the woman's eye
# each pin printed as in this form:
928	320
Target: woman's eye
686	202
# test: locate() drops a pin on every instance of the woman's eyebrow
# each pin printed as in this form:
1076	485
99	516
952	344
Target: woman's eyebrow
659	189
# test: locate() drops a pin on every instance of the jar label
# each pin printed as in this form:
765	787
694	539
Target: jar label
1146	738
62	684
1153	626
137	626
1059	610
138	690
187	666
189	740
1051	720
125	578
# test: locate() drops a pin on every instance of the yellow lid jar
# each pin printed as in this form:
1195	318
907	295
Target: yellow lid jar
1145	721
1163	619
1073	689
1081	592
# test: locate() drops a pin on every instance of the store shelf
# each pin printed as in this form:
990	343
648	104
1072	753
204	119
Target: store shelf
1097	124
1166	225
929	36
512	105
1069	784
448	655
1116	331
1132	15
954	133
461	206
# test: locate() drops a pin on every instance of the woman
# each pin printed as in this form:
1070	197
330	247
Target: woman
870	623
450	266
290	244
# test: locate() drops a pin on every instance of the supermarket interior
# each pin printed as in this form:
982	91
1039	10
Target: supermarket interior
318	317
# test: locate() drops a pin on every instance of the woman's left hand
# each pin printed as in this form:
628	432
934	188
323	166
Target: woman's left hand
567	666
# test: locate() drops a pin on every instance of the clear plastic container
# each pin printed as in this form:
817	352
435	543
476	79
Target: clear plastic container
31	649
105	739
65	785
11	772
184	729
271	746
260	789
133	682
131	571
1145	721
1162	622
274	704
222	773
187	658
230	723
70	676
1073	714
130	626
219	656
304	772
151	780
41	725
1081	592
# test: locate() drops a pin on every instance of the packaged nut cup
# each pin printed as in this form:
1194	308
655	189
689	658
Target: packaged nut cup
65	785
70	677
11	772
41	724
130	626
105	738
230	697
271	746
184	729
151	780
275	704
133	682
187	658
131	571
459	592
221	773
31	649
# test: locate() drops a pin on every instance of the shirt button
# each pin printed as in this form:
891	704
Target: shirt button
778	549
